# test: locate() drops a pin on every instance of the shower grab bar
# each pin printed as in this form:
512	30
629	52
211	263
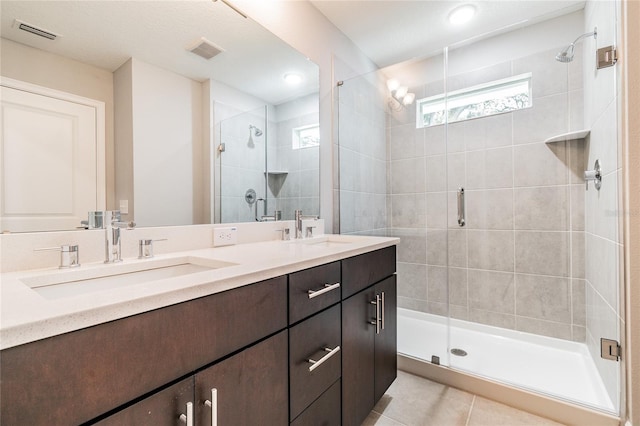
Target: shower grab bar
461	206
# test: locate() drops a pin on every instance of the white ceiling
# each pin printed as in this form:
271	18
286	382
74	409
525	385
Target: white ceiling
392	31
105	33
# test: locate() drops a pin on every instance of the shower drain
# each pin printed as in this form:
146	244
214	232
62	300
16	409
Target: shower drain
458	352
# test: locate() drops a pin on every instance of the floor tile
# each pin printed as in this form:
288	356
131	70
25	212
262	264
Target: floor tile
486	412
415	401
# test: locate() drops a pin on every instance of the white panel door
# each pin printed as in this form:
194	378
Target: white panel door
48	162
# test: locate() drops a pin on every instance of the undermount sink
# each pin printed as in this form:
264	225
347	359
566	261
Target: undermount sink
107	277
333	241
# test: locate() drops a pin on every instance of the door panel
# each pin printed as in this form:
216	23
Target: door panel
48	154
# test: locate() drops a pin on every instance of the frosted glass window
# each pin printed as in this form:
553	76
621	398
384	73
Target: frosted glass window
306	136
496	97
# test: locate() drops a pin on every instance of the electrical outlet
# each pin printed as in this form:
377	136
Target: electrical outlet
225	236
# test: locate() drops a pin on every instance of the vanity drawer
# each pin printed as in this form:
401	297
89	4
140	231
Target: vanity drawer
317	338
312	290
359	272
325	411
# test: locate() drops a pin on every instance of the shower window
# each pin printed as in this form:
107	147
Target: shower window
306	136
491	98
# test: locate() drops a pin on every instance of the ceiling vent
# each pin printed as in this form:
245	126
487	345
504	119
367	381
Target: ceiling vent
204	48
35	30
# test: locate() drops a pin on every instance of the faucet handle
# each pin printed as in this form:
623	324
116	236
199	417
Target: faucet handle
286	233
69	255
145	248
309	232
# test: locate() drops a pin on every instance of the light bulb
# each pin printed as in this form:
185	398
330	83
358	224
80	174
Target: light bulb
462	15
292	78
393	85
409	98
402	90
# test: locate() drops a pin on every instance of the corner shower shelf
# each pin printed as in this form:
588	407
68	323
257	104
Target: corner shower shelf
570	136
276	172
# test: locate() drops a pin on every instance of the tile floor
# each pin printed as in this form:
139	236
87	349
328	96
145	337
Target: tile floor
415	401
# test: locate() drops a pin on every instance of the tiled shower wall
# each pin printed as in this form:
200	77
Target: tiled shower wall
241	163
299	187
519	261
362	157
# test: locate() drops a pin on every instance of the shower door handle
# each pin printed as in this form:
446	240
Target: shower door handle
461	206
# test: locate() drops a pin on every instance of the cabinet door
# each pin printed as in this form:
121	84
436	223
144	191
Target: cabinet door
251	386
386	343
163	408
357	357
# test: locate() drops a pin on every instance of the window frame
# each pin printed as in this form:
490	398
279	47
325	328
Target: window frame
439	102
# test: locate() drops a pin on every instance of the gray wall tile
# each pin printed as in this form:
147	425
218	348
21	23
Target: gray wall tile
544	253
547	298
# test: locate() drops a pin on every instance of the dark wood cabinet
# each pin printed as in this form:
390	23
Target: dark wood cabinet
252	345
251	386
359	272
358	362
312	290
325	411
318	339
163	408
76	377
369	335
386	343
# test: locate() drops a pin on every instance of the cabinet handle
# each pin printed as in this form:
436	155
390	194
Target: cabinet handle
188	418
327	287
213	404
382	308
315	364
376	321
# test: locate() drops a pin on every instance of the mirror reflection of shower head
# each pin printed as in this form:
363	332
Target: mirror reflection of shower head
566	54
257	132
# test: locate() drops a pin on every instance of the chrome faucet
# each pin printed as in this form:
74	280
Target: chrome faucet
112	226
299	218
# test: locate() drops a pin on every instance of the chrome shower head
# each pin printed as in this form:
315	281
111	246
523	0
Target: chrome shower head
566	54
257	132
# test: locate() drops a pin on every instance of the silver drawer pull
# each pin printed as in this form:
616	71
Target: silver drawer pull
377	320
213	404
382	308
315	364
327	287
188	418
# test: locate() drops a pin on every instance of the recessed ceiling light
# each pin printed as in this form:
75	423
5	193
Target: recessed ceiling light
462	14
292	78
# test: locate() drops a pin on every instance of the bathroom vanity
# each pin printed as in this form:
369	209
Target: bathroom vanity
303	335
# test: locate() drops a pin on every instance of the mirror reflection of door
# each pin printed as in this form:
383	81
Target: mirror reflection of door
38	193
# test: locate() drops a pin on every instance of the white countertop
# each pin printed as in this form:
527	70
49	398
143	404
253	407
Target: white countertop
26	316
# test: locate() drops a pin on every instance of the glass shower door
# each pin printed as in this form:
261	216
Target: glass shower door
532	255
385	187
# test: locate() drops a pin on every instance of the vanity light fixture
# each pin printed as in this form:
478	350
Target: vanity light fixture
400	96
292	78
462	14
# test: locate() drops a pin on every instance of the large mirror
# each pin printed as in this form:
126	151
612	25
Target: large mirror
179	139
